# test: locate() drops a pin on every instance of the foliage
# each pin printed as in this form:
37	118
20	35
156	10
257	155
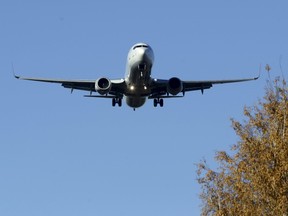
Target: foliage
254	180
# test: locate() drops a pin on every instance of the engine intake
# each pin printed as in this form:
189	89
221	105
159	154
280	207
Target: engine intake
103	85
174	86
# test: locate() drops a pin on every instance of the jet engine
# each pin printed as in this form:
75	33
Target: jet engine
103	85
174	86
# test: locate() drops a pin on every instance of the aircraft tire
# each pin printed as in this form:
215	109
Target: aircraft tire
161	102
155	102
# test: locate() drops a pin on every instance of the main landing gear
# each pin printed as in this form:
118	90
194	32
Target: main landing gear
159	101
116	101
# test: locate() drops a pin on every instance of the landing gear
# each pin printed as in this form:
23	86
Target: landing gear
159	101
116	101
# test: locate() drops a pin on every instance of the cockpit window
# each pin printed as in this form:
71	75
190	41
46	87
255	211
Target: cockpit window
140	45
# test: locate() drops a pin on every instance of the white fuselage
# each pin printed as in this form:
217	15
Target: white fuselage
138	74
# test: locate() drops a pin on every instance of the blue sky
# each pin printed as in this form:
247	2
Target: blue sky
63	154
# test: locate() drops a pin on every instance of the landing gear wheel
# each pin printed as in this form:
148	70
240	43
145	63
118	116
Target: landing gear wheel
158	101
113	102
161	102
155	102
116	101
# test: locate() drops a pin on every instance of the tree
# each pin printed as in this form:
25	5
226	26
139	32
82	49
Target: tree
253	179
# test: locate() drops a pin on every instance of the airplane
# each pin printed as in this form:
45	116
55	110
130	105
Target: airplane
138	84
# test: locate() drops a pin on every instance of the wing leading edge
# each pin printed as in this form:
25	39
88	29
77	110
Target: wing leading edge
117	88
159	87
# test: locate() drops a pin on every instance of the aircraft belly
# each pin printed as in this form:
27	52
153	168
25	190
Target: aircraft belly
135	102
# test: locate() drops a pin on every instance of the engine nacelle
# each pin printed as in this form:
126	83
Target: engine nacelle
174	86
103	85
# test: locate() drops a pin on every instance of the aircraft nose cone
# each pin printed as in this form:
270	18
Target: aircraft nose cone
142	52
146	54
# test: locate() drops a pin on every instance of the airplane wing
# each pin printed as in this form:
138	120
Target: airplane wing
201	85
160	89
117	85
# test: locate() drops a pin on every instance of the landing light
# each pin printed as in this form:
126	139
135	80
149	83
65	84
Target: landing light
132	88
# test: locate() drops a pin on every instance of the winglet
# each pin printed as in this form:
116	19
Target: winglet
259	74
13	71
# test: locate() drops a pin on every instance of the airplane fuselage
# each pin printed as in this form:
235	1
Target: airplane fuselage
138	74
